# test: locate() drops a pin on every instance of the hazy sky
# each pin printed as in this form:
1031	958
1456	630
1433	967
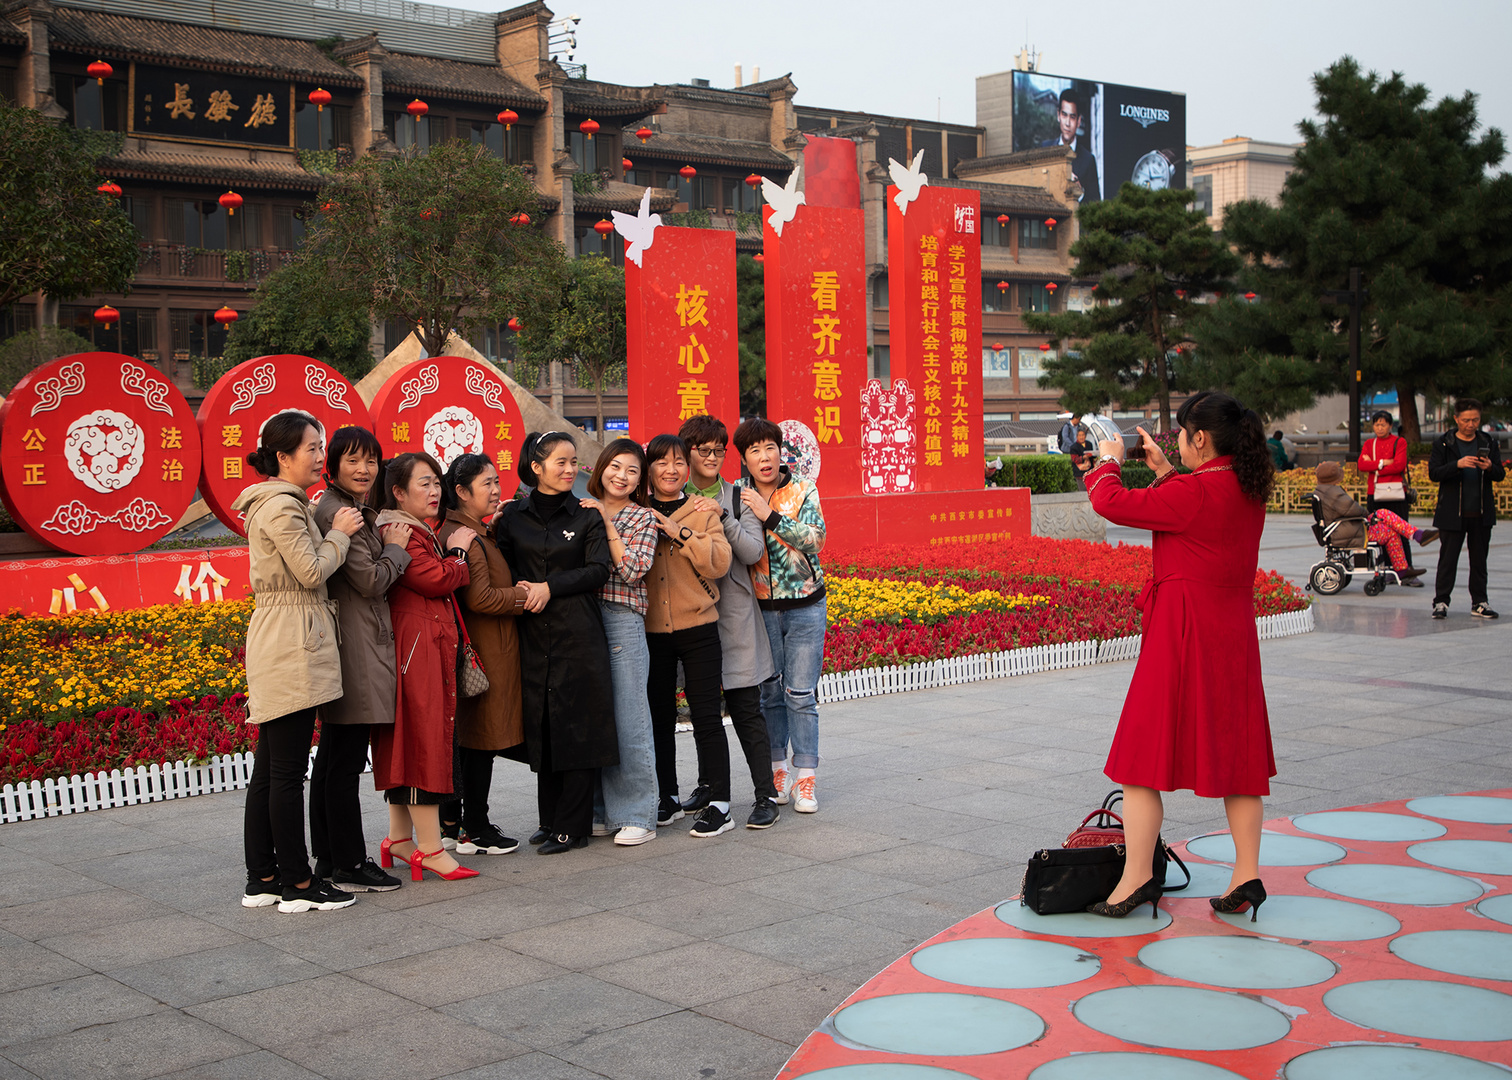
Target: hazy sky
1245	68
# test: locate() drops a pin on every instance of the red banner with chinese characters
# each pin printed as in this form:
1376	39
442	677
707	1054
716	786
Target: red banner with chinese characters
447	406
680	323
979	516
234	411
100	454
816	314
63	586
934	258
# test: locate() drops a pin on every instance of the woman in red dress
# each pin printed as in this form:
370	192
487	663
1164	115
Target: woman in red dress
1195	714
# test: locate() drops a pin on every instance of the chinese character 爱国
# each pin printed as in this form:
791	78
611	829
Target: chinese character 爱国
691	306
182	104
262	112
693	398
220	106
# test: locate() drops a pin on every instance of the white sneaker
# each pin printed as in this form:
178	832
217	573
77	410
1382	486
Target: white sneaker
804	800
601	830
631	835
780	782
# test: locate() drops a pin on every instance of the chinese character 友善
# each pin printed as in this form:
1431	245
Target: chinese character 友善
692	309
221	107
693	398
182	105
262	112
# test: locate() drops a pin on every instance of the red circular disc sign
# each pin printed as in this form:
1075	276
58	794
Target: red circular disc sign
100	454
234	411
448	406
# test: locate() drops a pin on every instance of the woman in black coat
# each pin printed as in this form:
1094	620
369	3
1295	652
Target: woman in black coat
559	551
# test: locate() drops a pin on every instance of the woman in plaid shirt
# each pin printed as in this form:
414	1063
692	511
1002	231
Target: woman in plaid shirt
627	794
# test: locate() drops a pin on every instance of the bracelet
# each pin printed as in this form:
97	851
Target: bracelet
1107	458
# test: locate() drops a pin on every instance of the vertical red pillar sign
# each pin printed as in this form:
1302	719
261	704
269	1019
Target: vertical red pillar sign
680	322
934	258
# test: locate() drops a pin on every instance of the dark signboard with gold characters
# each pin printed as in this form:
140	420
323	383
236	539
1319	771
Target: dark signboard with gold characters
205	106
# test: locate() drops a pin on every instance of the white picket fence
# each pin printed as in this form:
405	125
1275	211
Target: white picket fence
180	779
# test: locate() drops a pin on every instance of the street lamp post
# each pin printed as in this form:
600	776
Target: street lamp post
1355	296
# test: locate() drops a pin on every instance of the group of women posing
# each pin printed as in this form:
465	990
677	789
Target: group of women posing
577	611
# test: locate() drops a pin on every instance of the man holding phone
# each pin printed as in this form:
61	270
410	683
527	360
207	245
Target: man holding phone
1464	463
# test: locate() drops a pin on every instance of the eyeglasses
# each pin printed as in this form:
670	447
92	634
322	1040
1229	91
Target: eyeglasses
709	451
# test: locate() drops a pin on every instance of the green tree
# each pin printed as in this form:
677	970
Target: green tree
587	327
750	302
25	352
428	240
1152	256
58	234
1400	188
293	311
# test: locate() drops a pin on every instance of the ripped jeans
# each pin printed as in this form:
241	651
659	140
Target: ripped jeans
788	699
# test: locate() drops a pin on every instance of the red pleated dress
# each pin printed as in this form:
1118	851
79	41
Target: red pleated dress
1195	715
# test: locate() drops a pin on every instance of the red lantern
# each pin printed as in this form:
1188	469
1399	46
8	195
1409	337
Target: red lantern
588	128
320	99
1003	220
99	71
327	206
508	118
1181	294
1002	286
230	200
603	226
1049	223
514	324
522	218
426	214
1044	346
417	108
754	180
643	134
759	257
1051	286
627	163
226	316
107	315
687	172
997	346
1249	296
111	188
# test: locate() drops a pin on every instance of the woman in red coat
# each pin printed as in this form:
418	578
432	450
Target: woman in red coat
1195	714
414	761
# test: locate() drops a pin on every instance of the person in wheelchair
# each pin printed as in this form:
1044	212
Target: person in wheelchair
1355	526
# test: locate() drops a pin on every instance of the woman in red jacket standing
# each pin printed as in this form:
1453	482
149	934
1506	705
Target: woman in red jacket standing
415	760
1383	460
1195	714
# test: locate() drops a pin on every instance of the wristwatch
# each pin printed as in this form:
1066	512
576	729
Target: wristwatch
457	553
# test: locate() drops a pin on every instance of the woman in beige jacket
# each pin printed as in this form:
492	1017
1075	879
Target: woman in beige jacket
292	663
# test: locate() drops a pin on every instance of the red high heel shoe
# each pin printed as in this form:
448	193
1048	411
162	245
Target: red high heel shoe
417	867
386	854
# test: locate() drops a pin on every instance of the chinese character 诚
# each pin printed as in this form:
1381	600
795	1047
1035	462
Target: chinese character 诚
173	470
171	438
827	421
220	106
826	286
262	112
693	398
826	380
693	357
230	434
691	306
400	431
231	468
32	439
182	105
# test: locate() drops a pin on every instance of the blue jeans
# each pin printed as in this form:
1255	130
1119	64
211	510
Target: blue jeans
628	790
789	699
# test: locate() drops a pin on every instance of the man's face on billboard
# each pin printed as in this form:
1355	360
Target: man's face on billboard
1069	120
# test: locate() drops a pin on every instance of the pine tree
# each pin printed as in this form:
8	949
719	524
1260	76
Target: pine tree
1152	256
1387	183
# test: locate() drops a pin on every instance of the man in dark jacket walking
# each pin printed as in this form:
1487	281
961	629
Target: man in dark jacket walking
1464	463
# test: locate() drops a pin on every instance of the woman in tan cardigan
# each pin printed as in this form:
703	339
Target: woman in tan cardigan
682	623
489	724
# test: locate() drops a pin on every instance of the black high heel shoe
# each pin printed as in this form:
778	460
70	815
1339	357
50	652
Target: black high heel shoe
1150	891
1252	892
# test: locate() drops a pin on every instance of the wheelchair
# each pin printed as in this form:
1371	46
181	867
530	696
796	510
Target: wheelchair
1340	562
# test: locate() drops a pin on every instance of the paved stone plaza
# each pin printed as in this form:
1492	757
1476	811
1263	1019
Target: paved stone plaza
125	952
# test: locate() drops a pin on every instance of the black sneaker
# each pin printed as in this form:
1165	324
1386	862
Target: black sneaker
323	869
1440	611
450	834
763	815
711	822
668	810
320	896
486	841
365	878
1482	611
698	800
261	893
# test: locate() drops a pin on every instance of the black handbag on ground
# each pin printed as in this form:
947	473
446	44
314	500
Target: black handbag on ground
1067	879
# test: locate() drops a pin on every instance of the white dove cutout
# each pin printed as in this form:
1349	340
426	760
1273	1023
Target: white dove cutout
909	181
784	201
640	229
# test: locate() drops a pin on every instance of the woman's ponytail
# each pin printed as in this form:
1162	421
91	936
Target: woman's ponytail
1237	433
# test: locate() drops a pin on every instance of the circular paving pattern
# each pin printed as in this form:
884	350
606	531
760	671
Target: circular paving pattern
1424	1009
1482	809
1208	879
1005	963
1082	924
1181	1018
1388	1063
1316	918
886	1070
1497	907
1241	963
941	1025
1361	825
1387	884
1479	954
1276	849
1471	856
1128	1066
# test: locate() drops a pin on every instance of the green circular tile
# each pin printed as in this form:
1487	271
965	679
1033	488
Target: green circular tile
1276	849
1209	1019
1208	879
1478	954
1471	856
1081	924
1242	963
1125	1065
885	1070
1387	1063
1005	963
1497	907
943	1025
1316	918
1365	825
1481	809
1424	1009
1386	883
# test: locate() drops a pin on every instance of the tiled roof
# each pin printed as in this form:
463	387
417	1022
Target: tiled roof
1009	198
150	41
594	103
969	166
279	172
679	146
11	34
404	73
623	197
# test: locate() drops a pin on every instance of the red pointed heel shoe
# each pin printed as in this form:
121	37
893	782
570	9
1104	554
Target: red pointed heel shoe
417	867
386	854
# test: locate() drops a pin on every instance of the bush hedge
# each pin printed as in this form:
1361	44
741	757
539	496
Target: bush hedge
1053	474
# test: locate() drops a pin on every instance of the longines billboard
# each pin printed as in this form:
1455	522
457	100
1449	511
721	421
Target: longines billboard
1118	133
